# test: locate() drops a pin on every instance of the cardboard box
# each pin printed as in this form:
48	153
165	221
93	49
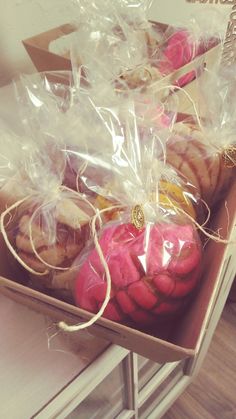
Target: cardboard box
44	60
38	49
174	340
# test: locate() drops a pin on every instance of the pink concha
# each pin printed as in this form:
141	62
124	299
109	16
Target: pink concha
144	285
189	257
126	303
142	295
175	287
180	251
112	312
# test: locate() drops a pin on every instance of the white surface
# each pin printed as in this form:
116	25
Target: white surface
21	19
175	11
34	365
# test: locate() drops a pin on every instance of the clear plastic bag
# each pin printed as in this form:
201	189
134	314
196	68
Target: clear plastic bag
45	223
151	247
205	153
48	228
9	157
183	43
15	151
115	40
154	271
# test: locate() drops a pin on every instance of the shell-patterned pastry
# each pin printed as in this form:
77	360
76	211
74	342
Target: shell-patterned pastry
39	249
154	272
203	167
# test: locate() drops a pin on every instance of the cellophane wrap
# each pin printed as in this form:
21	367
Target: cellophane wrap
116	39
47	222
145	226
204	150
188	40
10	161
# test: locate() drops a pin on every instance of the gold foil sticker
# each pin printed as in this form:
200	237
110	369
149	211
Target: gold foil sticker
137	217
229	157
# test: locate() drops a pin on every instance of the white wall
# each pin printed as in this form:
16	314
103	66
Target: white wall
174	11
20	19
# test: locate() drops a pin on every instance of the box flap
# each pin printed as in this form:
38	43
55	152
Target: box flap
194	324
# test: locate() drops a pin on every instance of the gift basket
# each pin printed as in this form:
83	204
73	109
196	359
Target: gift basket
103	223
117	214
108	219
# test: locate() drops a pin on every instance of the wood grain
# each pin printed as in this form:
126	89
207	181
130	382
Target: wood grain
213	393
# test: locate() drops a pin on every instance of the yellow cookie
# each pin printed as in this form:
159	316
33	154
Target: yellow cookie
103	203
175	196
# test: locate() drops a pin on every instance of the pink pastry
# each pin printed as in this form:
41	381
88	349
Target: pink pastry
153	272
180	50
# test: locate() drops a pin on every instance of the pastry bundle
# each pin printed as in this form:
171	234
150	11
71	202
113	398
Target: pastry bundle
45	223
151	248
203	149
183	43
117	39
